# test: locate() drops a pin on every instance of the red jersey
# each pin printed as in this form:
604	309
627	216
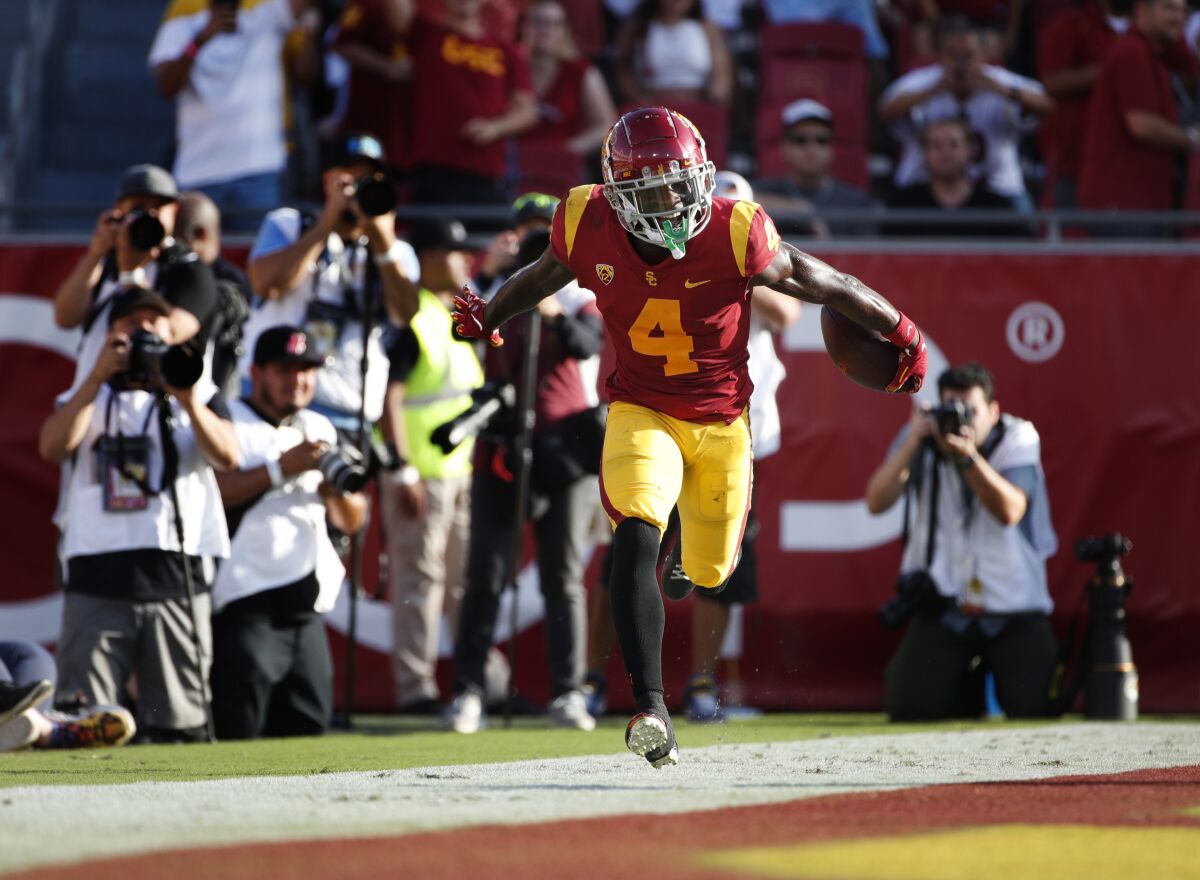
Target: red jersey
1118	171
560	109
1078	37
375	105
678	327
457	78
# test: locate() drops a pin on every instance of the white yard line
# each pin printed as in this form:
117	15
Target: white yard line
54	824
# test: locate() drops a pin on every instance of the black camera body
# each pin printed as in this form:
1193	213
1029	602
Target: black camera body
375	194
487	402
155	364
146	231
951	416
916	594
1112	679
345	470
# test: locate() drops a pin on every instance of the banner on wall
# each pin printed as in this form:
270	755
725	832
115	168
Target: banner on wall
1097	351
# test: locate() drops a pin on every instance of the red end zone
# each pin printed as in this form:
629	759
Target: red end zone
1153	814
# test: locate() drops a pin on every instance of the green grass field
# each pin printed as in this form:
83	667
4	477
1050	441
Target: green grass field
390	743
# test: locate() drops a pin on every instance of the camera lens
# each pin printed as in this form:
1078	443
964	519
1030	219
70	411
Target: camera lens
145	231
146	352
340	472
375	195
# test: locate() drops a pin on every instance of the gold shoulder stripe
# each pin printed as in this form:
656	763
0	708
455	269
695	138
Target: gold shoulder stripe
180	8
577	200
739	231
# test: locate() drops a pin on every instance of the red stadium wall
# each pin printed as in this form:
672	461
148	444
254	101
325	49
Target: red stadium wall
1098	351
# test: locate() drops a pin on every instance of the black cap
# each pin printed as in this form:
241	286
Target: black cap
532	206
147	180
131	300
438	233
359	147
286	345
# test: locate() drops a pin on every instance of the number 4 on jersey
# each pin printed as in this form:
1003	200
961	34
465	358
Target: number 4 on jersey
670	341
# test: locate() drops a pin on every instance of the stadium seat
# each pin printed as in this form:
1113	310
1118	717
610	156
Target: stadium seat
840	85
547	167
829	40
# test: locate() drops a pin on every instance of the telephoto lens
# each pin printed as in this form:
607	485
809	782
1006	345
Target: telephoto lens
146	353
145	231
342	469
375	195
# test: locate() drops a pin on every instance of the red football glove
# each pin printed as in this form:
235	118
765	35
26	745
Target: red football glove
468	319
914	361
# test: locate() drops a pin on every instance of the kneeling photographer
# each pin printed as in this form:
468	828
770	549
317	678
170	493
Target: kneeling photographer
272	674
973	573
142	518
566	441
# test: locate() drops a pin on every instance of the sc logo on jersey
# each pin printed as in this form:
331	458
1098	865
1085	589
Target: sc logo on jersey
604	272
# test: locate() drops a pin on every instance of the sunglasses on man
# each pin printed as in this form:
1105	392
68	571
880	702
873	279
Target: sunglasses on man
803	140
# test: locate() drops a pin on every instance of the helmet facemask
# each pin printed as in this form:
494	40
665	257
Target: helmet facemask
665	209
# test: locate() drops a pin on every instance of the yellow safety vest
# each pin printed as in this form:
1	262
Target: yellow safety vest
438	389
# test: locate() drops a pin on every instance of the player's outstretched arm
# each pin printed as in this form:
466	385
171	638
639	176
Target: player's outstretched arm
520	293
811	280
806	278
528	287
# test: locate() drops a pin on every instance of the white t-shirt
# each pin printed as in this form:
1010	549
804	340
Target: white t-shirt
339	382
282	537
675	56
995	122
89	529
1009	561
229	116
766	372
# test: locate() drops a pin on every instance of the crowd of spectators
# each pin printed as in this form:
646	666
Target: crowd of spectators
476	101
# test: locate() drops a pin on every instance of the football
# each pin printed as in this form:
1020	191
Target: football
861	355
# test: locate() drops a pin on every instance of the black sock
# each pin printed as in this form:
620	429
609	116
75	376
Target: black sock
638	610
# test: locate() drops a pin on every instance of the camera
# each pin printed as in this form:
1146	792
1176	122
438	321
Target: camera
916	593
343	469
1105	549
146	231
952	416
154	363
486	402
375	195
1112	679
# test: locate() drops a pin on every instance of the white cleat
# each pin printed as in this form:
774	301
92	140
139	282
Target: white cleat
647	737
464	714
570	711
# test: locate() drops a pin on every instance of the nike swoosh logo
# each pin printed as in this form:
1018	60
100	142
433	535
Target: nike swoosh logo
689	284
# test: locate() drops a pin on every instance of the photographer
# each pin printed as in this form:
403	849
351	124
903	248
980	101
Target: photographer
132	246
333	275
140	460
426	502
567	434
272	674
973	573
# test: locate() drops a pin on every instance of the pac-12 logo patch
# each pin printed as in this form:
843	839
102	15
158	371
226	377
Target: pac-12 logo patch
604	272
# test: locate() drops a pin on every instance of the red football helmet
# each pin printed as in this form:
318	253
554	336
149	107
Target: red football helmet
657	177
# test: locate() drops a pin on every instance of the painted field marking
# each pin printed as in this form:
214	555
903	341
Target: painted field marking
1000	852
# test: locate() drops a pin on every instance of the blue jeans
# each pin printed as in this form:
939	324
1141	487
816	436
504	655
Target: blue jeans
23	662
244	200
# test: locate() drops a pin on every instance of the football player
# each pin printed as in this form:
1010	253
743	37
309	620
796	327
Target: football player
672	267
